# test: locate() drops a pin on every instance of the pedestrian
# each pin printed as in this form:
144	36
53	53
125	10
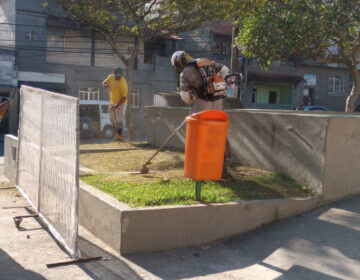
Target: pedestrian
118	98
300	107
200	86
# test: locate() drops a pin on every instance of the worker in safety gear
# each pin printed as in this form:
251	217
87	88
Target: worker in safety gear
202	86
118	98
194	75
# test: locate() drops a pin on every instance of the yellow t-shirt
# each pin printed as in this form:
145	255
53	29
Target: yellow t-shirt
118	89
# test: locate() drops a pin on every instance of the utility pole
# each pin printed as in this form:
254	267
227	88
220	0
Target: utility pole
234	50
92	47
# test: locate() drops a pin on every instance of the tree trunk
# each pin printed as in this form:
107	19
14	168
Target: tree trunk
355	92
234	50
128	72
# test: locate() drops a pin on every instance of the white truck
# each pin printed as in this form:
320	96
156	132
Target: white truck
95	113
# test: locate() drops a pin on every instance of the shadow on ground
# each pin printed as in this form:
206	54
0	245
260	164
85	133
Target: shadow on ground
320	244
11	270
112	268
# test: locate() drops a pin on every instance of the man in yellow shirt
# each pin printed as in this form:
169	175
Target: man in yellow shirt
118	92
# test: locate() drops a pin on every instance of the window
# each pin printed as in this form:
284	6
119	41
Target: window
253	96
56	40
102	48
89	93
135	99
222	48
335	85
30	35
272	97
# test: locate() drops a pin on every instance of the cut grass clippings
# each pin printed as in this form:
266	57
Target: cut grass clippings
166	185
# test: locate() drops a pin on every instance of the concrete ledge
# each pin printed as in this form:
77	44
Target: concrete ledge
146	229
100	214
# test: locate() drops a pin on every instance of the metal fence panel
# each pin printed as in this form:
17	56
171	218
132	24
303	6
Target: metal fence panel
48	160
29	146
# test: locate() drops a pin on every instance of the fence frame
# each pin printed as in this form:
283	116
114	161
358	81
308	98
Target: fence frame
72	249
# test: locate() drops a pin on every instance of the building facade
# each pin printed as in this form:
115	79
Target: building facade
50	51
41	47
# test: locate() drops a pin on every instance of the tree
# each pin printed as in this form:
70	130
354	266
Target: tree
327	31
146	19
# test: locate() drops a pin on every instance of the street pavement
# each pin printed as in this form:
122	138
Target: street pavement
320	244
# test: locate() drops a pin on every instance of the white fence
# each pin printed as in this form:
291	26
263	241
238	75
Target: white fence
48	161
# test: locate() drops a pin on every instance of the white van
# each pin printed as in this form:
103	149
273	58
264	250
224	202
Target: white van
97	111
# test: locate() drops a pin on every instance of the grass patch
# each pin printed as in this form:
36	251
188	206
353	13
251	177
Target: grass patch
166	185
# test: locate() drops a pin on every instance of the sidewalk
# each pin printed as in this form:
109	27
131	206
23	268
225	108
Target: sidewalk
25	253
321	244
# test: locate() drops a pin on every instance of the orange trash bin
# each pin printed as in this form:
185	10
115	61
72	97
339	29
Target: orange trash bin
205	145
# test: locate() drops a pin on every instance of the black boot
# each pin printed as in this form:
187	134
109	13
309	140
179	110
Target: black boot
225	173
118	136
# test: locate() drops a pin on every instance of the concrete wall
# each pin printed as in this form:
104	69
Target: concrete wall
342	166
164	228
320	150
101	214
10	156
161	122
8	75
293	144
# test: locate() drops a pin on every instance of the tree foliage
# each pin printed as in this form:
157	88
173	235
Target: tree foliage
327	31
146	20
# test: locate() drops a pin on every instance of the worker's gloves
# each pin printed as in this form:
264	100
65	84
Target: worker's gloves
187	97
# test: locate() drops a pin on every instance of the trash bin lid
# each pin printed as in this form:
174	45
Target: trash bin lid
210	115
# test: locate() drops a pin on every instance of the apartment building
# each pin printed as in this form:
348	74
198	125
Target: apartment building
46	49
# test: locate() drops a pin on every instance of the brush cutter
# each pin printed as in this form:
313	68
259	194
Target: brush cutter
118	136
144	168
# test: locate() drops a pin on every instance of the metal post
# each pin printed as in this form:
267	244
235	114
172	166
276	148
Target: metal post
198	190
92	50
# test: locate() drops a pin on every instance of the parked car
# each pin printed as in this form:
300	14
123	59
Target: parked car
301	107
315	108
94	119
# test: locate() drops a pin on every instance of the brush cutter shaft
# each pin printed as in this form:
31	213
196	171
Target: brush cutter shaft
114	116
166	141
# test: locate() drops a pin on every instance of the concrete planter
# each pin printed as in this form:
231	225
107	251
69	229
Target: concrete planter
318	149
137	230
